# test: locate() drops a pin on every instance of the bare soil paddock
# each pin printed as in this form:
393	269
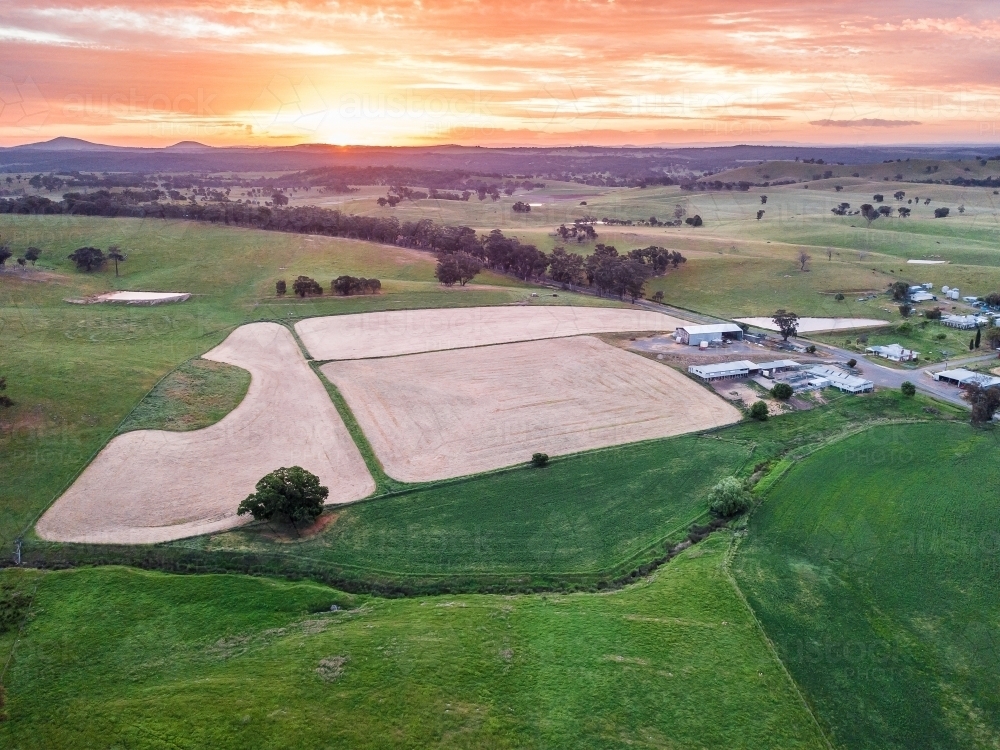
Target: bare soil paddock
445	414
152	486
387	334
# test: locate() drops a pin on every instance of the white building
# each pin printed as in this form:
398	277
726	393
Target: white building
922	296
964	322
963	378
893	352
841	380
694	335
723	370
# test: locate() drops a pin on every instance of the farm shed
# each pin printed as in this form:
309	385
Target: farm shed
921	296
841	380
723	370
694	335
962	378
778	365
894	352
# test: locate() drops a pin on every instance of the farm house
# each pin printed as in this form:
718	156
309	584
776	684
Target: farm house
893	352
840	380
964	322
695	335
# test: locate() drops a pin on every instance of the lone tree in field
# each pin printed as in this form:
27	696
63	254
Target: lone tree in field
758	411
290	494
5	253
115	254
303	286
32	254
280	287
88	259
460	268
984	402
908	389
869	213
940	213
787	322
729	497
760	214
804	258
539	460
763	199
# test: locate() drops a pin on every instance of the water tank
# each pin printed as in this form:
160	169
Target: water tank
945	289
703	345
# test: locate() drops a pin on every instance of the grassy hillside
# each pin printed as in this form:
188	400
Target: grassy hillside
872	566
116	657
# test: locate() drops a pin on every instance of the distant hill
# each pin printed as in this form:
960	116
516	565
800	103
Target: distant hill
189	146
62	143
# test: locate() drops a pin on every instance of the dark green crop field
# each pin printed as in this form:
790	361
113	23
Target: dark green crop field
873	566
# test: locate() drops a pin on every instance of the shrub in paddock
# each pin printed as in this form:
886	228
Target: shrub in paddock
839	297
729	497
758	411
539	460
280	287
908	389
304	286
291	494
5	400
934	314
88	258
782	391
521	207
940	213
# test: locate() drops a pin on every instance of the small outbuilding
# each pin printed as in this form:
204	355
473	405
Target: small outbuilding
694	335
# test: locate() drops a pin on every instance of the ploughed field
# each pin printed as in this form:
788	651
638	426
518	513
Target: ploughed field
445	414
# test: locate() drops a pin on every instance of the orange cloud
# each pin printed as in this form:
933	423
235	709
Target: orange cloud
550	71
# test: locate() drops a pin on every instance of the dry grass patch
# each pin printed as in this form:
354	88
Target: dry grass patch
446	414
387	334
152	485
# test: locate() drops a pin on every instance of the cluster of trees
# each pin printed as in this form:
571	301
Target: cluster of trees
581	230
304	286
89	259
521	207
30	255
984	402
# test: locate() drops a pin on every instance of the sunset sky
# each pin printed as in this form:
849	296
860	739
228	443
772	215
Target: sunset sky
534	73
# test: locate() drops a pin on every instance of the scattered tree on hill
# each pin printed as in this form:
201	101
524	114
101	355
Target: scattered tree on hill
115	254
782	391
457	267
903	212
763	199
564	267
885	210
940	213
787	322
5	400
279	199
908	389
878	197
32	254
869	213
899	195
979	337
280	287
539	460
804	258
730	496
658	297
88	258
291	494
760	214
521	208
5	254
984	402
839	297
838	188
694	221
304	286
758	411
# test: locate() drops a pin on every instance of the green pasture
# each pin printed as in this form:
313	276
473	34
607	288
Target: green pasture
872	566
115	657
